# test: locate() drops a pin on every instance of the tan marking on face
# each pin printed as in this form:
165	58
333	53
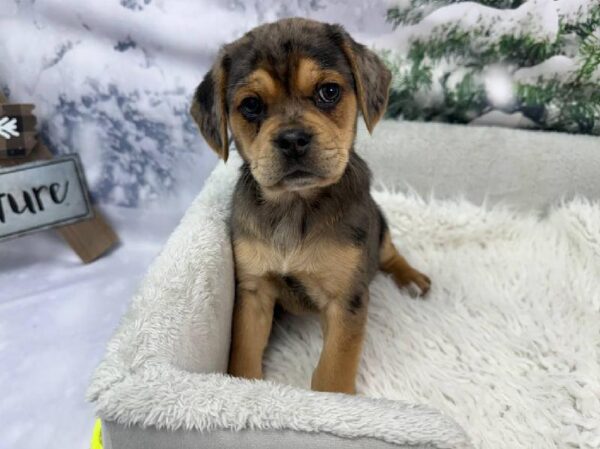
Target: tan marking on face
309	75
259	83
243	132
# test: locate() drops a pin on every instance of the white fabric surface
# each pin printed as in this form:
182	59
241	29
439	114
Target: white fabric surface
527	169
507	344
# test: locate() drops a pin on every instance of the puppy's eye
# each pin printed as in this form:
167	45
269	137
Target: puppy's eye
251	107
328	94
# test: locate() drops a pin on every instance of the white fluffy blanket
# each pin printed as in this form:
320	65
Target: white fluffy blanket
508	341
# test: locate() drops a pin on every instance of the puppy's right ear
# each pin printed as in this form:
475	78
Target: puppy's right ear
371	77
209	107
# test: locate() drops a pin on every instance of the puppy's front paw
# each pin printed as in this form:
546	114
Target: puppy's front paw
417	283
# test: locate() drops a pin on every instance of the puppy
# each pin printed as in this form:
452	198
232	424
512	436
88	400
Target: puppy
306	233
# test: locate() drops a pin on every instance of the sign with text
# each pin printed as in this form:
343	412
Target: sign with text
41	195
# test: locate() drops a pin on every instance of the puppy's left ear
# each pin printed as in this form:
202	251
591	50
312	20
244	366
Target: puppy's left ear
209	107
371	77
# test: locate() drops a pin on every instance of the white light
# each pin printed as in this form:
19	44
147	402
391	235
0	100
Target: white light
499	88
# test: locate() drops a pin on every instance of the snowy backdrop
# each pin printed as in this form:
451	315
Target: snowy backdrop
114	83
112	80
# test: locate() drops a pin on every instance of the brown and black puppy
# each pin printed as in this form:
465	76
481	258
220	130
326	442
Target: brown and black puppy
306	233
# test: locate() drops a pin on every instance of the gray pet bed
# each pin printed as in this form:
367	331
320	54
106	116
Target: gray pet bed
161	385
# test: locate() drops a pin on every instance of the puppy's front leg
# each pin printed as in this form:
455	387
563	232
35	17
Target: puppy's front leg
343	326
252	321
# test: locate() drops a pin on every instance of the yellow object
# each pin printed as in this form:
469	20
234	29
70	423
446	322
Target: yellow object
97	436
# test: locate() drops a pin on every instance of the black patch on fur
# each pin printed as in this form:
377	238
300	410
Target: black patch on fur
226	63
208	119
355	304
335	33
382	226
253	61
205	94
304	225
287	46
299	291
358	235
271	60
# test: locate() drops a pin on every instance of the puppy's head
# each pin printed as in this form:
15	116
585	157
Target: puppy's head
290	93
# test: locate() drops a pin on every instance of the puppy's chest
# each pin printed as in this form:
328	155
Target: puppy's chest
288	232
323	266
285	240
285	254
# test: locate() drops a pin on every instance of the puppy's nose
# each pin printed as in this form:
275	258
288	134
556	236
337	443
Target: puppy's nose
293	143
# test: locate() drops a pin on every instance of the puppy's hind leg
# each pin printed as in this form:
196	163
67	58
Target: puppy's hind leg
405	276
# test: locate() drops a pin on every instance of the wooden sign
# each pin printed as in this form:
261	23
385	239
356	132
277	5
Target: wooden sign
17	130
91	236
42	195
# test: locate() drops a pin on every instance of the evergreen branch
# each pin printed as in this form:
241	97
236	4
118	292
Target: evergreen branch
408	79
408	15
590	52
508	48
466	100
583	28
570	103
417	9
556	106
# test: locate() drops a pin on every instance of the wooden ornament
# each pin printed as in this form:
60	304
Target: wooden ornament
88	234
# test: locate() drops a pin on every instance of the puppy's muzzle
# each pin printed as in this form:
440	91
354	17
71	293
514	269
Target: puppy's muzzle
293	143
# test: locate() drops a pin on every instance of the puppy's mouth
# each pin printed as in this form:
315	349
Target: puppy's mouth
297	178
